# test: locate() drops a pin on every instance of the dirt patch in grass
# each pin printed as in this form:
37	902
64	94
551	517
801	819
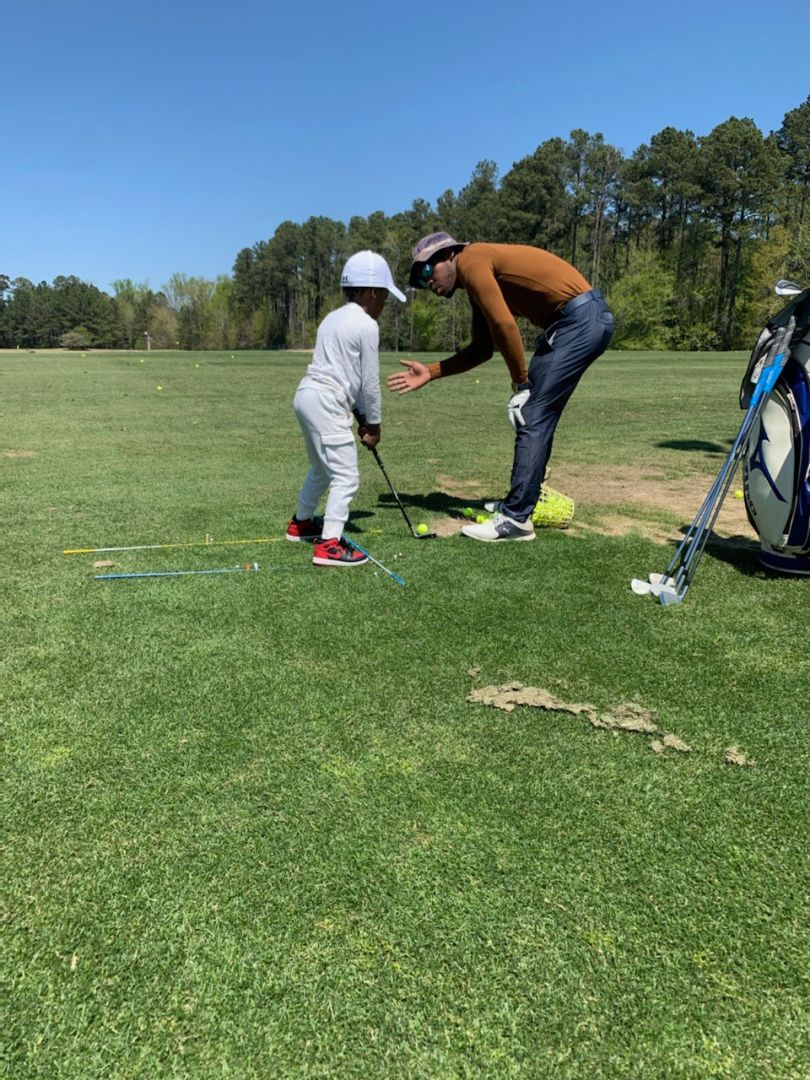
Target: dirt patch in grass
446	526
462	489
733	756
628	717
18	453
620	498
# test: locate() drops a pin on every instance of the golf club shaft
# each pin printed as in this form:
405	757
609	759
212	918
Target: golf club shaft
378	459
687	570
691	547
710	506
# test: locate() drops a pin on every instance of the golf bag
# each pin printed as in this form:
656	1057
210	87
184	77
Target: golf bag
776	461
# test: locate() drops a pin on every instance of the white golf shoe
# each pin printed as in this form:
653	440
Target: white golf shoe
500	527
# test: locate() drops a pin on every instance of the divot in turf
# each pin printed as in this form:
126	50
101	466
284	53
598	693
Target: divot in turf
629	716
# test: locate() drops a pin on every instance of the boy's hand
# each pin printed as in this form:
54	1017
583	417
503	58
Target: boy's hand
364	429
370	434
402	382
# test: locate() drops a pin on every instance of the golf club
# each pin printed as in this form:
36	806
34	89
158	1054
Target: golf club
671	587
414	533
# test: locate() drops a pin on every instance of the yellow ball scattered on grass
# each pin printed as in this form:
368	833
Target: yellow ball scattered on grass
738	494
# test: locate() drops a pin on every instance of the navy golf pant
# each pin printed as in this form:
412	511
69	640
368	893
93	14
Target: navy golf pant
564	352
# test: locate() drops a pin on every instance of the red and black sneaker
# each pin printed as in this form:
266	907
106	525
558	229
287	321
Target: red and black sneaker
335	553
309	529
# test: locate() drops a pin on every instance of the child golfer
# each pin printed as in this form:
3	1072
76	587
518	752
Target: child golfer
343	379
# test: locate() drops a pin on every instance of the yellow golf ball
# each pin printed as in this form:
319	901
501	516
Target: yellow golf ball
738	494
421	528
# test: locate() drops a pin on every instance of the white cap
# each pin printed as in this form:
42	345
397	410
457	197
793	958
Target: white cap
368	270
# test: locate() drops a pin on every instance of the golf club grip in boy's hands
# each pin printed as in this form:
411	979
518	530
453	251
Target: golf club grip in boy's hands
364	428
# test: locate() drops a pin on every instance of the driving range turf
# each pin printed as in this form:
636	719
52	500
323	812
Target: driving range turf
253	826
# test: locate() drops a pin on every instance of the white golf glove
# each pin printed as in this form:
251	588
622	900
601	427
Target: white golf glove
514	407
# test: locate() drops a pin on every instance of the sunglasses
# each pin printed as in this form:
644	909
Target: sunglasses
425	274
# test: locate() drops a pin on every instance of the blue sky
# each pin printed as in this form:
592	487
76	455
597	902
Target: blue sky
165	138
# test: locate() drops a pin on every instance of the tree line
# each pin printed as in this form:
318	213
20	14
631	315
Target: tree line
685	236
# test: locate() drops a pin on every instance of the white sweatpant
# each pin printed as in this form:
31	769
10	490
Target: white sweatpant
326	423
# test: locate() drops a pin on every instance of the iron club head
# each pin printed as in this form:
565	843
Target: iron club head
639	587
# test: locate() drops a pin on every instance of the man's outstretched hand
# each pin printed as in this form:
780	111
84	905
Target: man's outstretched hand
402	382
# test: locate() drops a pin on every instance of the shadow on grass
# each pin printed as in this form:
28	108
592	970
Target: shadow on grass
695	445
355	517
741	552
436	502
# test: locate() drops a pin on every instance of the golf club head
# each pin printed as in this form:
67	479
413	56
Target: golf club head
667	596
783	287
425	536
640	587
654	585
660	586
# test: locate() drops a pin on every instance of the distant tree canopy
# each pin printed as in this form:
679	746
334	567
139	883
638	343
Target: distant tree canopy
686	237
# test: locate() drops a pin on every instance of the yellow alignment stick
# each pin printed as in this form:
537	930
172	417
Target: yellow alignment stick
208	542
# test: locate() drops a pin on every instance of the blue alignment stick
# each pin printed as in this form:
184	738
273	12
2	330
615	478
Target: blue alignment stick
376	562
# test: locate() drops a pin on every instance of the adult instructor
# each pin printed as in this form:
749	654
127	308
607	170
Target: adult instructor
502	281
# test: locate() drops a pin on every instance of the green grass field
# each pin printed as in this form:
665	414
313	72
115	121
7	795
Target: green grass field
253	826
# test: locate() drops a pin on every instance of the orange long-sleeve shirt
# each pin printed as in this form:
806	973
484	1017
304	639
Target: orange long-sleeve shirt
502	281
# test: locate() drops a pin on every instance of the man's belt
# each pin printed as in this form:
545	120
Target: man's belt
566	309
591	294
